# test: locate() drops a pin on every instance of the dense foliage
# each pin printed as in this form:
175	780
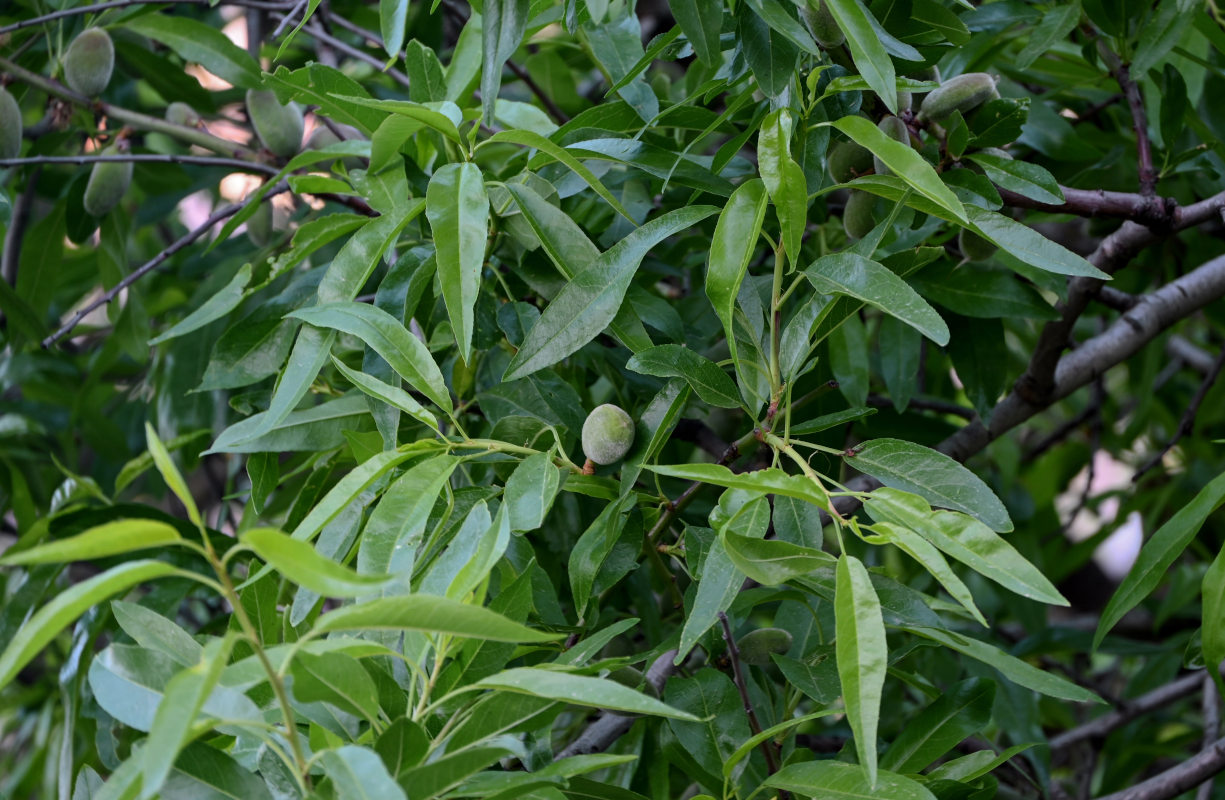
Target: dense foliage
903	322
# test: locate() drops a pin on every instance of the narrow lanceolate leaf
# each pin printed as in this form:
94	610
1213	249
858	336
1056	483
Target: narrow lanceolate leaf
1213	636
65	607
933	476
299	562
336	678
591	300
700	21
903	161
581	690
202	44
393	396
961	711
852	275
388	337
503	23
170	473
967	540
732	248
1158	553
834	780
675	361
393	22
862	655
458	210
1026	244
357	773
1021	177
929	556
784	179
430	614
112	538
766	481
772	562
866	48
530	490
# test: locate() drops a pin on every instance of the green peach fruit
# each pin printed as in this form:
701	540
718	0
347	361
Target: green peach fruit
608	434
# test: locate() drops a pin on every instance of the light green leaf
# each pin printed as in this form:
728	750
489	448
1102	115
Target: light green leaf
580	690
338	679
731	248
1026	244
862	656
391	395
933	476
1021	177
214	308
170	473
962	710
772	562
298	561
393	22
530	490
766	481
866	48
1158	553
926	554
901	160
676	361
852	275
458	210
430	614
784	179
834	780
503	23
357	773
591	300
109	539
202	44
47	622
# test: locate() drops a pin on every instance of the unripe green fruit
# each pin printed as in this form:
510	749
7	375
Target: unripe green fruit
259	225
931	73
108	183
849	160
180	113
279	127
822	24
975	247
857	218
627	676
905	99
10	126
895	129
89	62
757	646
963	93
608	434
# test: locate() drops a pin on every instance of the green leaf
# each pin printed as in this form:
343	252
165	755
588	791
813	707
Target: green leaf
901	160
770	55
558	153
338	679
962	710
933	476
1213	616
593	547
1056	23
1165	31
774	14
458	210
391	395
867	51
772	562
834	780
852	275
112	538
1012	668
1029	246
929	556
827	421
357	773
430	614
176	714
530	490
862	656
298	561
47	622
784	180
426	81
151	630
393	22
394	530
731	249
202	44
676	361
580	690
1021	177
1158	553
591	300
700	21
170	473
982	293
769	733
766	481
216	307
967	540
388	337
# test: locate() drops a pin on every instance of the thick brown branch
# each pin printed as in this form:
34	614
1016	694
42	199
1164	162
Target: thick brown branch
1148	210
186	239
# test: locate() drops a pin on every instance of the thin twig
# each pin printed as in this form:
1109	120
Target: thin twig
742	686
559	116
1139	119
925	404
1210	704
1176	780
1187	424
331	41
145	158
135	119
20	218
186	239
288	19
72	12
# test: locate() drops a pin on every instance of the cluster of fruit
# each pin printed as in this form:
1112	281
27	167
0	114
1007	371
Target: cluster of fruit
849	160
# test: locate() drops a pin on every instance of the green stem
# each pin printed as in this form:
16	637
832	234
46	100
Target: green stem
127	116
785	448
776	304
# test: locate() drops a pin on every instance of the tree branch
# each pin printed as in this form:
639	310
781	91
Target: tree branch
133	118
733	654
611	726
1157	699
146	158
72	12
322	36
1187	423
1151	211
183	241
925	404
1210	705
1177	780
1139	120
